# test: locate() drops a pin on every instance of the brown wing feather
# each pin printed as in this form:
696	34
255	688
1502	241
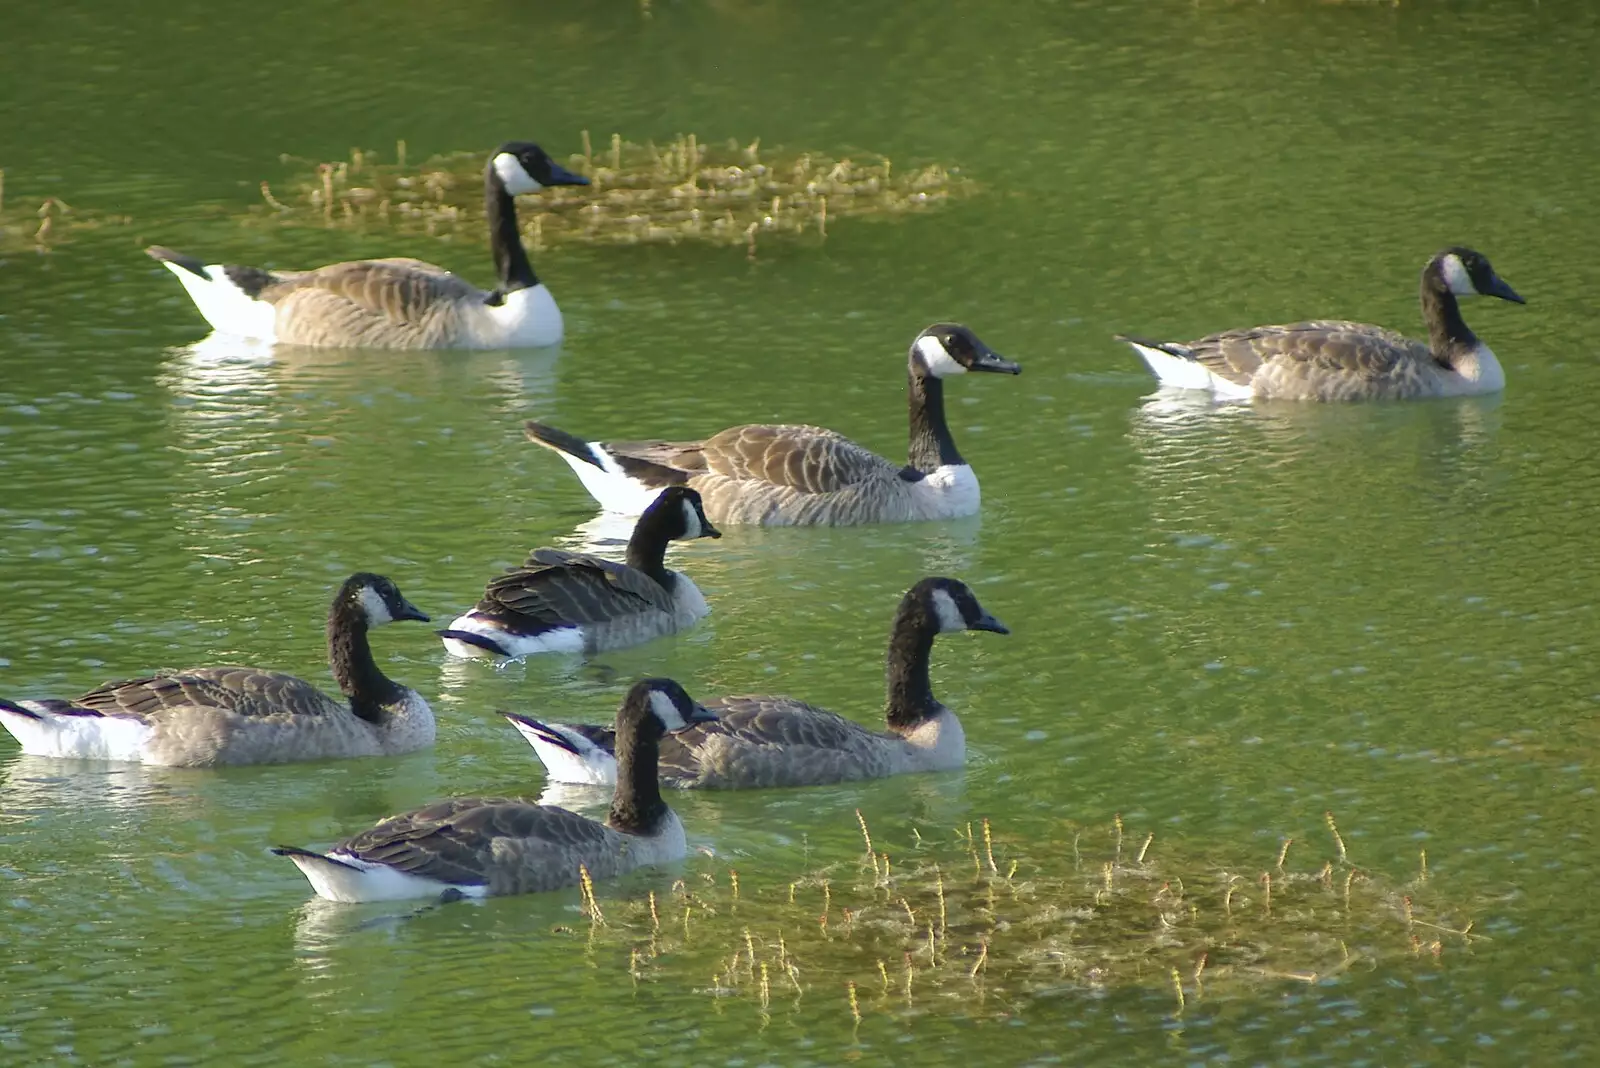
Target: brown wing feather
810	459
769	741
555	586
242	691
453	841
1322	345
807	458
400	290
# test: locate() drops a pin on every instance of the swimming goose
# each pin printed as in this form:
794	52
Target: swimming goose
777	475
566	602
206	716
483	846
1334	360
395	303
780	741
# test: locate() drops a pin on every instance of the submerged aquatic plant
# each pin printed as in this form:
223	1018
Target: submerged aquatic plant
975	924
23	226
725	194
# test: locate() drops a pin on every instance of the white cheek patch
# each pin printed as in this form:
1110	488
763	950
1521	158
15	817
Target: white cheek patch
949	615
377	611
940	362
1456	278
514	176
691	522
666	711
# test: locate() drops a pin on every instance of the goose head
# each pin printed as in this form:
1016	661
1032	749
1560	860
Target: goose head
660	706
952	605
680	514
378	599
524	167
1466	273
945	349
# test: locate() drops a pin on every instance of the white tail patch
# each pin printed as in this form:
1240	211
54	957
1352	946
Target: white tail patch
342	877
77	737
225	306
559	640
589	766
1179	373
607	484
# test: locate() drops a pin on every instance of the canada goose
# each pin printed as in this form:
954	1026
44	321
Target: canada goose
777	475
395	303
566	602
1334	360
780	741
241	715
483	846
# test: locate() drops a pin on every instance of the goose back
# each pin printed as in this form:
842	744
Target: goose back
612	604
535	847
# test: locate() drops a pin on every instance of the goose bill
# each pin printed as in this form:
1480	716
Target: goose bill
1504	292
989	623
989	360
408	610
559	175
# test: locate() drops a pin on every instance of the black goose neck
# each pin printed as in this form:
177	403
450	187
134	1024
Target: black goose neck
910	698
369	690
1448	332
510	258
636	806
647	547
931	446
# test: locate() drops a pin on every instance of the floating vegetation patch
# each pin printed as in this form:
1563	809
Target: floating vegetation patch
726	194
40	227
979	925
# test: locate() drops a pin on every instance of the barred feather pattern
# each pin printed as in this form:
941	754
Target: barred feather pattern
782	475
391	303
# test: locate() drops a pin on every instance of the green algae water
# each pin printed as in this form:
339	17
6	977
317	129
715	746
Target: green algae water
1227	622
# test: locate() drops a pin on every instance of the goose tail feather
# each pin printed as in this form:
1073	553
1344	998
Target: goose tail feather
1172	364
225	296
623	484
472	639
561	441
570	753
55	728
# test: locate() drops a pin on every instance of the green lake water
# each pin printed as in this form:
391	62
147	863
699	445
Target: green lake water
1226	621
